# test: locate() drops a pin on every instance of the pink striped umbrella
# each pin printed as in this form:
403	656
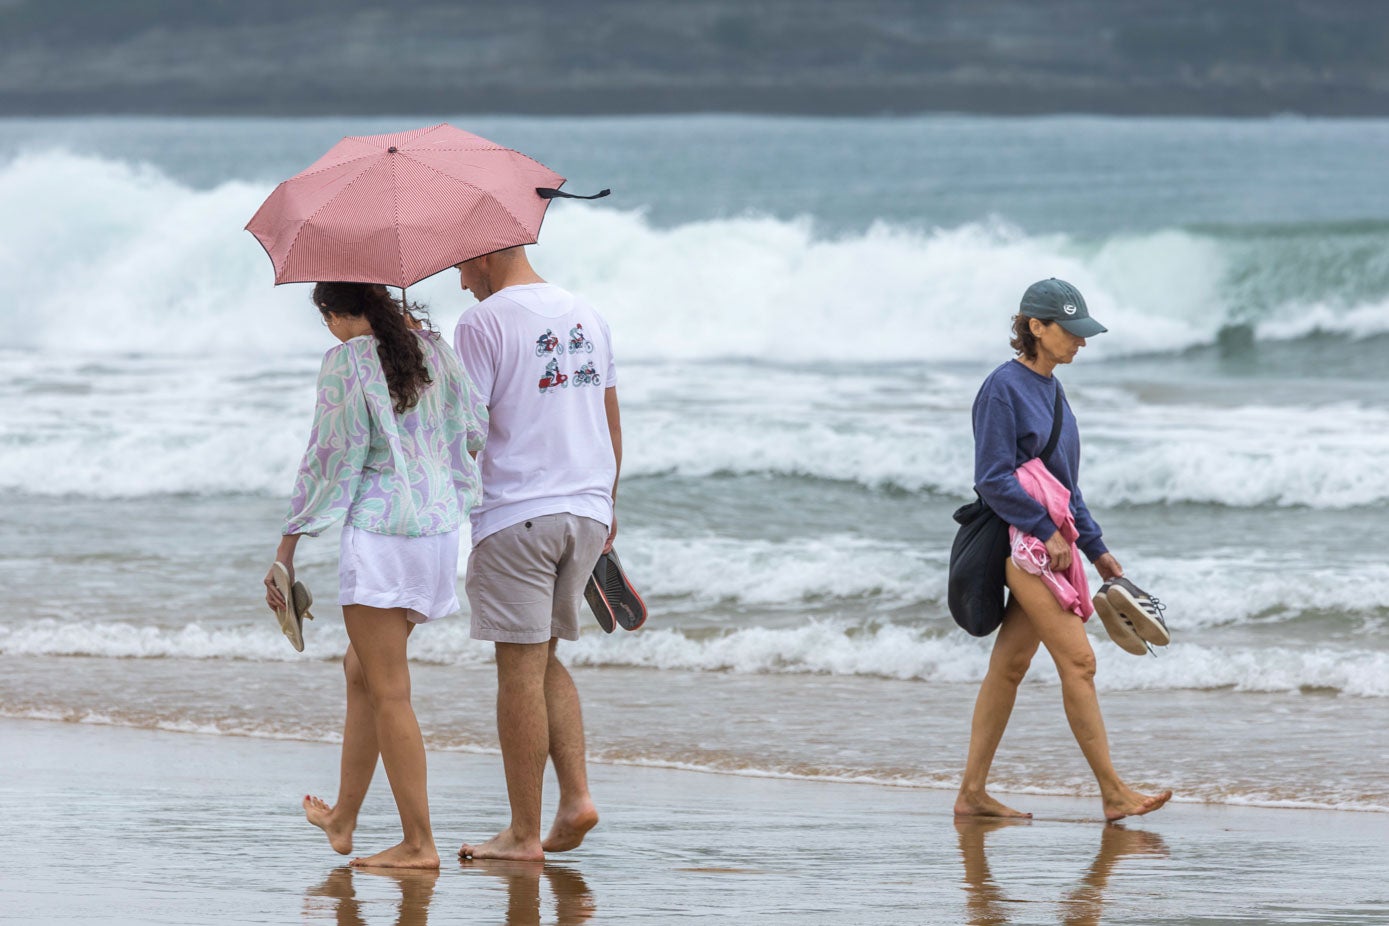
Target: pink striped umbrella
398	208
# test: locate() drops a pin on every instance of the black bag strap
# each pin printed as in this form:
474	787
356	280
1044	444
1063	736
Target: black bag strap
1055	425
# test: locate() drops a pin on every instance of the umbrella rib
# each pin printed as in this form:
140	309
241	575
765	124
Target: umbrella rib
310	173
489	146
472	186
313	215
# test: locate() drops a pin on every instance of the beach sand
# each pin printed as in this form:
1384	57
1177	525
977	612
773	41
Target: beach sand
117	825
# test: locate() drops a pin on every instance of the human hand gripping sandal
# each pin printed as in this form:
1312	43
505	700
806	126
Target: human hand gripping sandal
298	598
1132	616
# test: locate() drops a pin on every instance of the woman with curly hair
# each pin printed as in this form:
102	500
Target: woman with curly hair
394	431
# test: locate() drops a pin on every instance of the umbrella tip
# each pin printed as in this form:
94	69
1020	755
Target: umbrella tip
392	149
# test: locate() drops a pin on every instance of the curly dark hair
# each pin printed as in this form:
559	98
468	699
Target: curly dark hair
1023	340
402	360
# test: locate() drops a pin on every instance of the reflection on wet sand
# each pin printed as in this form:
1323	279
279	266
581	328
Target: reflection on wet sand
1082	906
416	891
574	901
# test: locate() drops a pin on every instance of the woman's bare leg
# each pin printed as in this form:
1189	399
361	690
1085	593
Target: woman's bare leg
1063	634
1012	654
378	637
359	755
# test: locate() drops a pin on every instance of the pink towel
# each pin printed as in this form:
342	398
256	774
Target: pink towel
1071	588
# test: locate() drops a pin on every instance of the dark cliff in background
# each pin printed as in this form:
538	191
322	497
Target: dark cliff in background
269	57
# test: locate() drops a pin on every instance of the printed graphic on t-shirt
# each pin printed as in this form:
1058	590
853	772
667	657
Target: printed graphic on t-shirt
586	375
577	342
553	378
547	343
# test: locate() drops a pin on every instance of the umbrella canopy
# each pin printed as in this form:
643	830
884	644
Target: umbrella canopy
398	208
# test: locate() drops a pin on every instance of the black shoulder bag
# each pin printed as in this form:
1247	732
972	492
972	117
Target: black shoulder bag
980	553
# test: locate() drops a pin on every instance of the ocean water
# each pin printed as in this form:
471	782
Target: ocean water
803	310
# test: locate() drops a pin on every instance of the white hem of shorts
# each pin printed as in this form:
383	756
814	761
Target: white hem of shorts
418	574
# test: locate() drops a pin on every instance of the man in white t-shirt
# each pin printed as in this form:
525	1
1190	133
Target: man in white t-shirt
549	483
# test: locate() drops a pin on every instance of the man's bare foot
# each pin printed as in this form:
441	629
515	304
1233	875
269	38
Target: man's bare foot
401	856
1129	803
981	805
505	846
339	831
570	826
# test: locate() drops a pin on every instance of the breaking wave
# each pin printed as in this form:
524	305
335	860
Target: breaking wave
109	256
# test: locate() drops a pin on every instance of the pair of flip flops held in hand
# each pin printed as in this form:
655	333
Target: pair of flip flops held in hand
297	601
1133	618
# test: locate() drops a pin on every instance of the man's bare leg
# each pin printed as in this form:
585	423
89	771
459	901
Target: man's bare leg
1064	636
359	754
523	729
378	635
1012	654
576	814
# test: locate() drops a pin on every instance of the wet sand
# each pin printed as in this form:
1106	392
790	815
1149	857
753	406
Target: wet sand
114	825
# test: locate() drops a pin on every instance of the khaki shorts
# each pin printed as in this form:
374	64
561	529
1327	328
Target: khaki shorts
525	581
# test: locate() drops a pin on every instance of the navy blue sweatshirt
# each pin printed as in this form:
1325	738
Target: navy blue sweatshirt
1013	415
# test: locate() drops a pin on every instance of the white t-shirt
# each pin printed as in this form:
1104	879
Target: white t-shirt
541	359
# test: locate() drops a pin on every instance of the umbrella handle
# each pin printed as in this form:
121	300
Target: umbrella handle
545	192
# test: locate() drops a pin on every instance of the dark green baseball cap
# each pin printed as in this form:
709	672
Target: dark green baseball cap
1057	301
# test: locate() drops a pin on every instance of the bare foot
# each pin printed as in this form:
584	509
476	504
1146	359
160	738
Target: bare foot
570	826
505	846
401	856
322	816
1130	803
981	805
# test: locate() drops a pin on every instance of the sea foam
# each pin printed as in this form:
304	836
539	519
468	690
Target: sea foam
145	351
831	647
115	257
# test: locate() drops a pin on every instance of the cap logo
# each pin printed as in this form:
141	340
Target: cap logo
1068	309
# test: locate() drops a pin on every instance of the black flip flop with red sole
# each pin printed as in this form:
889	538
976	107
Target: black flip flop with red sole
611	597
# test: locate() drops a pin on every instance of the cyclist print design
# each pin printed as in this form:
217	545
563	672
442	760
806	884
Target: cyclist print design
585	375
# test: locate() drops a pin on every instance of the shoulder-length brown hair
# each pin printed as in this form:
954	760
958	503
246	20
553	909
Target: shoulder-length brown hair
1024	341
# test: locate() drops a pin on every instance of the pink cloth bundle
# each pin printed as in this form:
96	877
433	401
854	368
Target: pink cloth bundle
1070	587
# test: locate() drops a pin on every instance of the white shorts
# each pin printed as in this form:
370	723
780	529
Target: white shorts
419	574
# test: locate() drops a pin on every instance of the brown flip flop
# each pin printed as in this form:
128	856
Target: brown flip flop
297	601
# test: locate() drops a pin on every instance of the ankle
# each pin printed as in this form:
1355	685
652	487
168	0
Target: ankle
577	800
524	836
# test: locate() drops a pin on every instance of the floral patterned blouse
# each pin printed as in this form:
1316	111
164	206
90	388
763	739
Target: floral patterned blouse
409	475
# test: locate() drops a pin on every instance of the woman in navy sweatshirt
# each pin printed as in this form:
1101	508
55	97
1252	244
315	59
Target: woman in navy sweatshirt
1013	417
